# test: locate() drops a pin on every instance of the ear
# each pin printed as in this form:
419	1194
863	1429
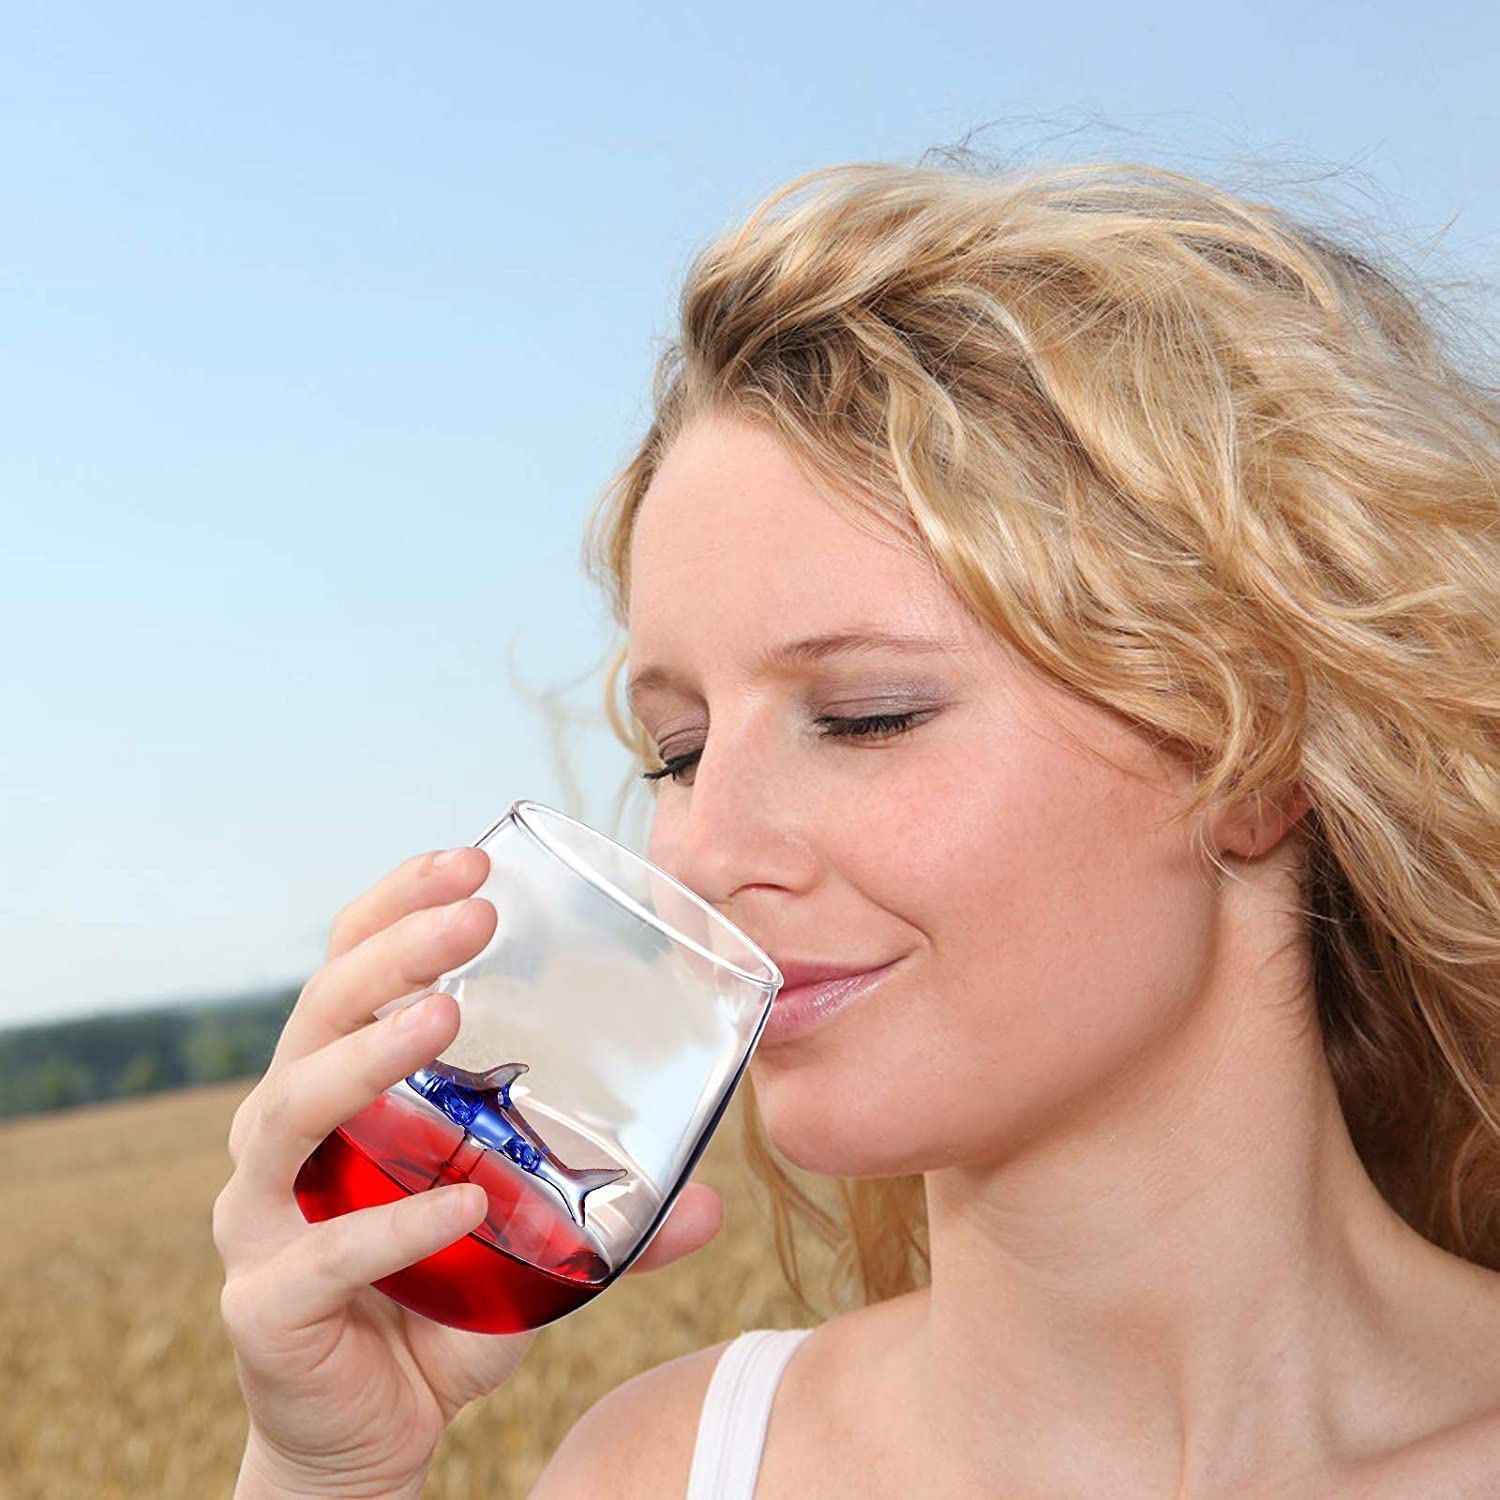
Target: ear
1256	826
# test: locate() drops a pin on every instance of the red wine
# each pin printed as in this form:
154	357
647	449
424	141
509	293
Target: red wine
526	1265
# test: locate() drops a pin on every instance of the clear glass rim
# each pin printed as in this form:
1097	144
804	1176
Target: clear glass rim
530	816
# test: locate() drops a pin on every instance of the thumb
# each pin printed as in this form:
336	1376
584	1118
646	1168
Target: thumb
696	1217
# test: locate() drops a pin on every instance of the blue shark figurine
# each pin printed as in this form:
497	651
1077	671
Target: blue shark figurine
481	1103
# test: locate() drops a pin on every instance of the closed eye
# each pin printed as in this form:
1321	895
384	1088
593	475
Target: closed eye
832	728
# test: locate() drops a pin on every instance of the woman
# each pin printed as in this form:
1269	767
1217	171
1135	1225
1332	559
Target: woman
1076	597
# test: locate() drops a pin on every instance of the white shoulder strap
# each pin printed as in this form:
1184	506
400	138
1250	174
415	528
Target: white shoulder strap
736	1410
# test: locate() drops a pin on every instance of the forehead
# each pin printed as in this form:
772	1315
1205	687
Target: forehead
731	527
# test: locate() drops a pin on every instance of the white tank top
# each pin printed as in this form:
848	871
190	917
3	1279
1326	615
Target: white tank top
736	1410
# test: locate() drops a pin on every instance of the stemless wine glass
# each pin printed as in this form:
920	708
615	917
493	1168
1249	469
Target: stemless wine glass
602	1032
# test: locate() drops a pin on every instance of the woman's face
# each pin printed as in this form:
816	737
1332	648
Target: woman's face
1053	921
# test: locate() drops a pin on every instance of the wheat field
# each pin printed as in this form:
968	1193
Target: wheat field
118	1377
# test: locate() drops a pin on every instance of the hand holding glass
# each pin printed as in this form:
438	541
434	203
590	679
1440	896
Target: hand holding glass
602	1033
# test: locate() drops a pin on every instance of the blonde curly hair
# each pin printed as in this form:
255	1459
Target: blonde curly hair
1212	470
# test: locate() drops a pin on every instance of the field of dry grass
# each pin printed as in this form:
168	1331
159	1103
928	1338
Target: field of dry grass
118	1376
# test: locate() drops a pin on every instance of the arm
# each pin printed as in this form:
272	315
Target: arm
260	1478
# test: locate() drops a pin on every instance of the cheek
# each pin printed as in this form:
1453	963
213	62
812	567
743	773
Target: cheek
1058	937
656	842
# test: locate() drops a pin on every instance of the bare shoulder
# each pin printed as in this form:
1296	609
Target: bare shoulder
637	1440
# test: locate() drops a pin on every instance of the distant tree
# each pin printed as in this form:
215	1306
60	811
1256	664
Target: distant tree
212	1054
59	1082
54	1065
143	1074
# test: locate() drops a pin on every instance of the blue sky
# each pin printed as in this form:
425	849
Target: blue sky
323	326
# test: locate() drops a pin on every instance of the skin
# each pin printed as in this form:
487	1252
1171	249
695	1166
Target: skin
1158	1266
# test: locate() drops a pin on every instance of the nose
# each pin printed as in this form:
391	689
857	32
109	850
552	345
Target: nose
738	827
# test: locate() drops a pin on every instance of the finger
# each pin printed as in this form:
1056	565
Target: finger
696	1217
316	1093
315	1276
419	881
394	962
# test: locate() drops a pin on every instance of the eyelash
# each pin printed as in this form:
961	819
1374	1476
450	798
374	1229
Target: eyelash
871	724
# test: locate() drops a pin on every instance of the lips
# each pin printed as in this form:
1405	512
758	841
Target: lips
795	974
804	1007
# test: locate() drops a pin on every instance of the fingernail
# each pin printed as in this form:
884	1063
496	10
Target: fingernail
446	857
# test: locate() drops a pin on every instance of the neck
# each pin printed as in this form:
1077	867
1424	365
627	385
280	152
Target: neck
1190	1279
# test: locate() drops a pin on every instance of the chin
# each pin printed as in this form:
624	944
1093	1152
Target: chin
825	1131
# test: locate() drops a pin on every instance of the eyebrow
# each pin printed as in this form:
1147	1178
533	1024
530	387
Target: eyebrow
805	652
